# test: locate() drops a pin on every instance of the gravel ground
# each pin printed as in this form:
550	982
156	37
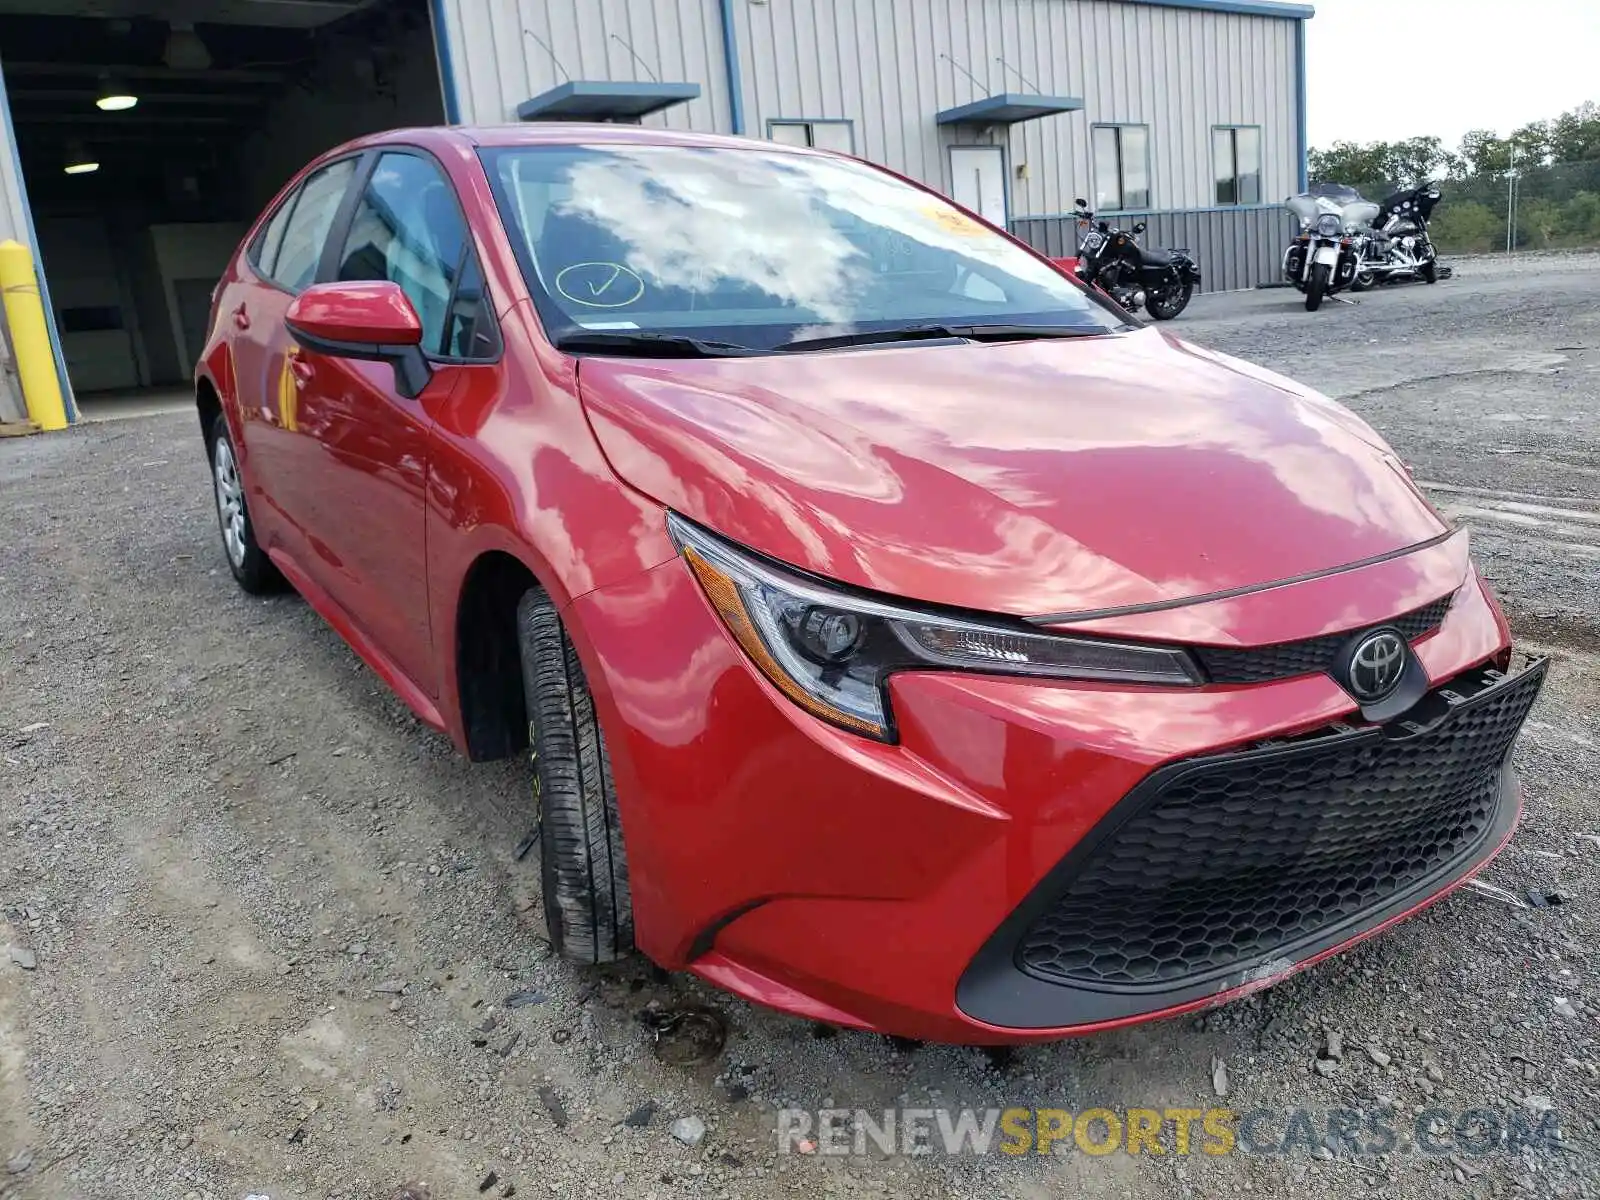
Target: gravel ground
258	929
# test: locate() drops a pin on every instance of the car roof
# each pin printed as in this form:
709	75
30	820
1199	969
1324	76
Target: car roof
562	133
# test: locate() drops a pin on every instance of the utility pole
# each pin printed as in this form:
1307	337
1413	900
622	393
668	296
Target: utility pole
1511	202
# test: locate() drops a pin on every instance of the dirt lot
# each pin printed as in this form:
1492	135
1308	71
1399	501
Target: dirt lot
263	927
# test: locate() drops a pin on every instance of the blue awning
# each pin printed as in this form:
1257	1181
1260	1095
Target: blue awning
604	100
1008	108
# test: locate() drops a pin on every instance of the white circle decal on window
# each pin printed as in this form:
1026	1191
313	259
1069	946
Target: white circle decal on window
600	285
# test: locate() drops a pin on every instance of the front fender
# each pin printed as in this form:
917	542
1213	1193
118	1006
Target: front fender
514	468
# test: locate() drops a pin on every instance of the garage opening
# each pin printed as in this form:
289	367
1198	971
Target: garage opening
152	132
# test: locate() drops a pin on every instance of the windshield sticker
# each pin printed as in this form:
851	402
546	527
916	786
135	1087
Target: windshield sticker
600	285
952	221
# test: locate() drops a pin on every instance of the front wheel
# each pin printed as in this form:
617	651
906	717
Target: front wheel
1171	300
1317	287
1430	271
588	907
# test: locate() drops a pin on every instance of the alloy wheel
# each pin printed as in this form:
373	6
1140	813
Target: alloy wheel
230	500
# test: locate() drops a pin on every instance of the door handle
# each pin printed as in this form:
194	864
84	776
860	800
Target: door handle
301	370
241	318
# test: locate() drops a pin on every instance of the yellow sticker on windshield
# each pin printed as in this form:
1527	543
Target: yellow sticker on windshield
954	221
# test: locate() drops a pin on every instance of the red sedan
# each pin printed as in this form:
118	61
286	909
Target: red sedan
905	641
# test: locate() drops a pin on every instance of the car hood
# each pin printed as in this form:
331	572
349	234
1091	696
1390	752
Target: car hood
1032	478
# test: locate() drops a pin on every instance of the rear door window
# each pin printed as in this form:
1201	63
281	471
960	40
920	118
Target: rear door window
271	238
311	214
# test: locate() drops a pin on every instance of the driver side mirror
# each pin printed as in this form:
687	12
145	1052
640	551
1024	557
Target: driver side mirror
367	320
1081	202
1140	227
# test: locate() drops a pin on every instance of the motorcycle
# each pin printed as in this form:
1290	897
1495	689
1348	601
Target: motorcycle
1399	246
1110	259
1325	255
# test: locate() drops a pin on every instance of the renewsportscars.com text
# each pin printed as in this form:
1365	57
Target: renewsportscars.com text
1471	1132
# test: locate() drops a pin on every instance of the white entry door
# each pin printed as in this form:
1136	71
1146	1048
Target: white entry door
978	177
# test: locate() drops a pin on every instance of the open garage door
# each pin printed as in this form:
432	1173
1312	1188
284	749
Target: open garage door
151	132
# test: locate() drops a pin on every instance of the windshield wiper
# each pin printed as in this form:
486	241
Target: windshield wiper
649	345
975	333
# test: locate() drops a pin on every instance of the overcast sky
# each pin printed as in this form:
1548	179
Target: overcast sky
1382	70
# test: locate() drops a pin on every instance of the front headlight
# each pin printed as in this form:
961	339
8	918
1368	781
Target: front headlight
1329	225
831	652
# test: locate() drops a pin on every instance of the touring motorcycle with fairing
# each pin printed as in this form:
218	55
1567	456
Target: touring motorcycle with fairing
1326	254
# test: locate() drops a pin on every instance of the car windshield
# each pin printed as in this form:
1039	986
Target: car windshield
760	249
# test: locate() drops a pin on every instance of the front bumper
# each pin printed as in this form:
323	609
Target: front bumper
1220	873
894	887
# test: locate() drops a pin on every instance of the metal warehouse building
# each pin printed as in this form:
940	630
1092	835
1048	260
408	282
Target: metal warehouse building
1187	113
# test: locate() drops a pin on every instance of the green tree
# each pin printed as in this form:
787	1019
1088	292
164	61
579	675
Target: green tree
1374	168
1539	224
1484	152
1468	227
1348	162
1419	159
1575	135
1533	143
1580	217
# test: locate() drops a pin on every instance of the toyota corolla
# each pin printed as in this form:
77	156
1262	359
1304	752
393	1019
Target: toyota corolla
898	637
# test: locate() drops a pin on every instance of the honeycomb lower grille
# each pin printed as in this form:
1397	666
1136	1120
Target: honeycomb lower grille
1234	860
1259	664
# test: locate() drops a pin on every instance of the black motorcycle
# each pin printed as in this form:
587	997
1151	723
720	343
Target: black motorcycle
1399	246
1110	259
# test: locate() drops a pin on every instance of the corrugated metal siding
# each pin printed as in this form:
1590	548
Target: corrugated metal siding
498	63
13	221
1236	248
13	224
890	65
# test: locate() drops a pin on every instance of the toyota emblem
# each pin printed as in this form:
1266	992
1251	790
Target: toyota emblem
1376	665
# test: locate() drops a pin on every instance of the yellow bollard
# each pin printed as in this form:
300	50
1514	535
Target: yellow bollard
30	337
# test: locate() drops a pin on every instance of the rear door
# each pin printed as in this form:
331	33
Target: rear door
361	449
283	261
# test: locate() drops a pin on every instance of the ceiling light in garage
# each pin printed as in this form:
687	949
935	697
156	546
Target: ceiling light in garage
185	51
114	96
79	160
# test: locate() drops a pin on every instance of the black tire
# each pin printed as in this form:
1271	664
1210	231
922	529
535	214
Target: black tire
1363	281
1430	271
1170	301
252	569
1317	288
588	908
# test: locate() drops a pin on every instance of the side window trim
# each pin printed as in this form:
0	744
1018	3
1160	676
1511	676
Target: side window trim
328	268
470	264
333	247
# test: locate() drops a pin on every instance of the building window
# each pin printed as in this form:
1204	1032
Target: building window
1236	155
824	135
1121	167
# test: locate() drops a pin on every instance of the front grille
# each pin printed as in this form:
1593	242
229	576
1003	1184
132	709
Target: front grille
1234	860
1259	664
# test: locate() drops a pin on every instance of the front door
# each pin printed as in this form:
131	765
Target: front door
281	262
978	181
364	447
